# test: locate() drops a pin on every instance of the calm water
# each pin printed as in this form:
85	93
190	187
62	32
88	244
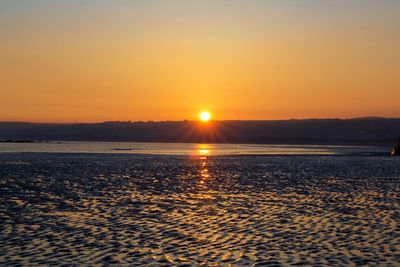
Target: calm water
190	149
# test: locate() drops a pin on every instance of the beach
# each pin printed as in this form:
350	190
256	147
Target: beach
161	210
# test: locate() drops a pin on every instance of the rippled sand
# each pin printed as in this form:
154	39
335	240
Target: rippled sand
160	210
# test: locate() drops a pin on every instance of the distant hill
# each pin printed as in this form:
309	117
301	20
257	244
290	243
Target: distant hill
311	131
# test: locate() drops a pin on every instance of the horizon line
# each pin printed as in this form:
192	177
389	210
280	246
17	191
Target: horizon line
192	120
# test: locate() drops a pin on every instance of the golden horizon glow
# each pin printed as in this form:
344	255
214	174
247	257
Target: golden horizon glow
205	116
165	60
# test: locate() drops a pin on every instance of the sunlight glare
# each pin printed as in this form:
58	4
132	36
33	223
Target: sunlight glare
205	116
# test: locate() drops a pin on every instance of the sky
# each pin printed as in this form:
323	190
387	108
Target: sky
97	60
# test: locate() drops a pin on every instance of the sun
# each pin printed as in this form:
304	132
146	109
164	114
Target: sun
205	116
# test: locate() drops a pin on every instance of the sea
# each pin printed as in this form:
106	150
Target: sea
191	149
166	204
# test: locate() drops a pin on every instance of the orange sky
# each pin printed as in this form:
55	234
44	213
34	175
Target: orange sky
69	61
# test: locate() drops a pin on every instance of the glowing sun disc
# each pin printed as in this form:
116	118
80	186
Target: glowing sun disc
205	116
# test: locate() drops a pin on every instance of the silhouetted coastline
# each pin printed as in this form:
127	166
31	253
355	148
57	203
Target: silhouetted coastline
311	131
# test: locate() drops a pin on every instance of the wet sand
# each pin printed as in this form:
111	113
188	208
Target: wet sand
136	210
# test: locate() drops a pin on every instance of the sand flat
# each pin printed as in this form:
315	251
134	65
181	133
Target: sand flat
213	211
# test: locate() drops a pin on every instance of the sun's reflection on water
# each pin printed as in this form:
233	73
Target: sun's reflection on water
203	151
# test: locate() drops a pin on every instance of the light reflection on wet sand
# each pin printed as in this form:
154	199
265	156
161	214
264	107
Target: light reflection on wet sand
199	210
203	152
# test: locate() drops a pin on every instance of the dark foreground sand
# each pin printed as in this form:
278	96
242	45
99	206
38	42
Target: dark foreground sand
159	210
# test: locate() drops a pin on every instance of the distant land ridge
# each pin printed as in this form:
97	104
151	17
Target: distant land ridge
368	130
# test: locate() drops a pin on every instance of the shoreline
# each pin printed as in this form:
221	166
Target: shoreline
366	154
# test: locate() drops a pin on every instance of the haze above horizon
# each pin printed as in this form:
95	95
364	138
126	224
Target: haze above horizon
93	61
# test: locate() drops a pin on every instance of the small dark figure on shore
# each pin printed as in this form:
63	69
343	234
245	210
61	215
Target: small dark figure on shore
396	150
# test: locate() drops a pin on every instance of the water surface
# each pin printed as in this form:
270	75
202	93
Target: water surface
189	149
